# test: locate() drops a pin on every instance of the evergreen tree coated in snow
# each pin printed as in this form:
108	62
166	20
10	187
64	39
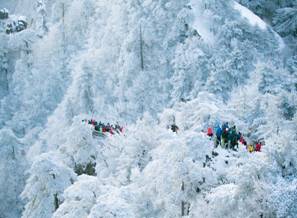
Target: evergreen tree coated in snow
3	73
80	197
41	22
45	186
191	69
285	21
265	8
281	14
283	197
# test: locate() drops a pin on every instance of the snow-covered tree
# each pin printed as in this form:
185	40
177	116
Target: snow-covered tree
80	197
285	21
3	73
283	197
45	186
41	22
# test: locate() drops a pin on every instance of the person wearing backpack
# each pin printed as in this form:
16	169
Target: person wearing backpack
233	138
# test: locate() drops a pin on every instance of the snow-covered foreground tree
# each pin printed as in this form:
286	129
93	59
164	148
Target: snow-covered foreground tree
45	186
147	65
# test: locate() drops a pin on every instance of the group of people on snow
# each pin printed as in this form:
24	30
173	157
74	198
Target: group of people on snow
225	135
228	137
174	128
102	128
16	25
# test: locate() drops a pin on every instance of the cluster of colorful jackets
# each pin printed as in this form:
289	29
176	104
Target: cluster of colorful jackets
104	128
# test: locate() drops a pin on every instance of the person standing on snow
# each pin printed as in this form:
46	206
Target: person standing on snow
225	126
209	132
258	147
250	148
233	138
241	139
218	135
225	135
174	128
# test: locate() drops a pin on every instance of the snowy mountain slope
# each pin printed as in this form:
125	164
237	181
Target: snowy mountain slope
281	15
141	63
252	18
148	166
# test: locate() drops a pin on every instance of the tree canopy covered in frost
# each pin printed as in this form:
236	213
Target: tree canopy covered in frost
147	65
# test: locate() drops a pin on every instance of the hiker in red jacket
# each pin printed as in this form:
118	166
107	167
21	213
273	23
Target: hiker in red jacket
258	146
241	139
209	132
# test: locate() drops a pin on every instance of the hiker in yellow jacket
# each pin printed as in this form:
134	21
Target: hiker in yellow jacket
250	148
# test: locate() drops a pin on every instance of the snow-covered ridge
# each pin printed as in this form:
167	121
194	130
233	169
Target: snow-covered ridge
255	20
250	16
